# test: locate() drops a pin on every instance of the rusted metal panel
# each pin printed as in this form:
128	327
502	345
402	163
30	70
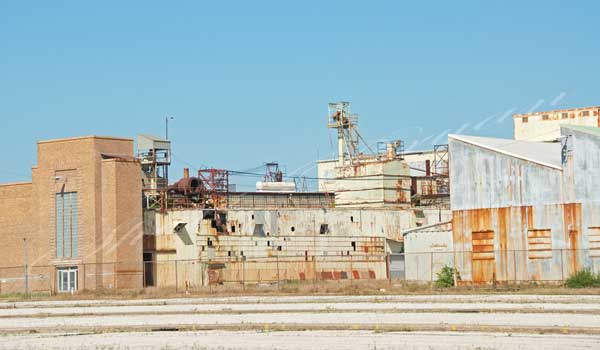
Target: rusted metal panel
519	243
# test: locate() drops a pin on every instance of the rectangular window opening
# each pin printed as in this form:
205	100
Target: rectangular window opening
539	243
483	245
67	224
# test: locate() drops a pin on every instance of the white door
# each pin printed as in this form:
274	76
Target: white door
67	279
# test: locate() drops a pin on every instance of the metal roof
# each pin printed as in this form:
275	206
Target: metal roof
147	142
543	153
582	128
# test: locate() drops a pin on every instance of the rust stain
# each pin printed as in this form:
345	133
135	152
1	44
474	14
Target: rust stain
572	229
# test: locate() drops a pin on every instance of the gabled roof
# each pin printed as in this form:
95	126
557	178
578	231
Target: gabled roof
543	153
586	129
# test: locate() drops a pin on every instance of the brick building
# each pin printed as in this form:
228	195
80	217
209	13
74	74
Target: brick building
80	213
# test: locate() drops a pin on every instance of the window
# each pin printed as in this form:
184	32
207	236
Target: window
564	115
67	279
545	117
67	231
585	113
525	119
539	243
594	241
293	228
324	229
483	245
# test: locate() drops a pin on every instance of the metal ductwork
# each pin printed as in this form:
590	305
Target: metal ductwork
187	185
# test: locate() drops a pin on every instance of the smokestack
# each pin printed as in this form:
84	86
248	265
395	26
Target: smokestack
186	173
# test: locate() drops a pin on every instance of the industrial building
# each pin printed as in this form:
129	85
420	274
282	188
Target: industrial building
98	215
344	231
81	209
524	210
545	125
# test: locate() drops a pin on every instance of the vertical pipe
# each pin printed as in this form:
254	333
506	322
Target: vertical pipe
427	167
176	276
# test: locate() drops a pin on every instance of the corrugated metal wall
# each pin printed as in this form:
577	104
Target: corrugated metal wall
514	220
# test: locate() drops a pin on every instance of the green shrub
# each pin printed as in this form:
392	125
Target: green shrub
445	277
583	279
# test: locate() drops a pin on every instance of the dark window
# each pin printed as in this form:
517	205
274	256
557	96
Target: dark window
525	119
354	245
545	117
324	229
209	243
351	218
293	229
279	248
585	113
233	228
229	253
564	115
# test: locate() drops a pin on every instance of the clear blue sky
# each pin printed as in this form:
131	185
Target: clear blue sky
249	82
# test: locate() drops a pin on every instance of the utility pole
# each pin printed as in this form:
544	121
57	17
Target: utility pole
26	260
167	118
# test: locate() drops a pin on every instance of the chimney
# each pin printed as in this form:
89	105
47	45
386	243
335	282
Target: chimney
427	167
186	173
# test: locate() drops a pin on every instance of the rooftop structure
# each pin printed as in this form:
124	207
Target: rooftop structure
545	126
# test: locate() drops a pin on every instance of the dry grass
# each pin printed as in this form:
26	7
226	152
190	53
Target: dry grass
380	287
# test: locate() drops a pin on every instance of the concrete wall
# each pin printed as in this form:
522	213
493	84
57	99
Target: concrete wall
368	183
297	243
545	126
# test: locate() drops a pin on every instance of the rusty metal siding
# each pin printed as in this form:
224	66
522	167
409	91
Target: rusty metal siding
514	220
482	178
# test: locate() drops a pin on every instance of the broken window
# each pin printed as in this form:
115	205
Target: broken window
324	229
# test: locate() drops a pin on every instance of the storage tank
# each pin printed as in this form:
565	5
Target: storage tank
282	186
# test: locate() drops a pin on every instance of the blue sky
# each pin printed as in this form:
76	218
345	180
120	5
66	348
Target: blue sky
248	82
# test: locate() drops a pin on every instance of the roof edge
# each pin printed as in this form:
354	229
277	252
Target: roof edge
66	139
459	138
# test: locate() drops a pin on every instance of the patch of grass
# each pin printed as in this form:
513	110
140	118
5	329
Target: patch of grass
445	277
583	279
